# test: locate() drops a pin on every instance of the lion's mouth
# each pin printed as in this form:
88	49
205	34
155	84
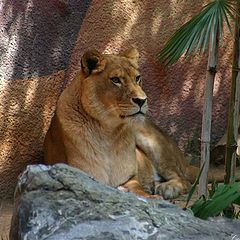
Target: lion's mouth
133	115
137	113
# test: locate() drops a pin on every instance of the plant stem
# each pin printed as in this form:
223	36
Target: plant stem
233	115
207	115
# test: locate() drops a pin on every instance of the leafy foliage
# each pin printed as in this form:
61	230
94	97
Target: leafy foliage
220	197
221	200
196	33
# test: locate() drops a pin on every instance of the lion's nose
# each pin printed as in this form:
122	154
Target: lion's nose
139	101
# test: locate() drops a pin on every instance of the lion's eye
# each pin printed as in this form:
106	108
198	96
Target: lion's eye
116	80
138	79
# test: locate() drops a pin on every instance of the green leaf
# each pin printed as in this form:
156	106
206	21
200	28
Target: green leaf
223	196
200	32
193	188
197	206
237	201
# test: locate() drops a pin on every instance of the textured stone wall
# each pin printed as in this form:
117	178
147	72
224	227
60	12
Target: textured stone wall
40	39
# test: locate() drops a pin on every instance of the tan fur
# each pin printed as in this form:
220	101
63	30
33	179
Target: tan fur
97	129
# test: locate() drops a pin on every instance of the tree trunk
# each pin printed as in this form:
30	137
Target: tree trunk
233	115
207	115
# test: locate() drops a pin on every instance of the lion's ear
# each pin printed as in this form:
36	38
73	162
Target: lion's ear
92	62
132	54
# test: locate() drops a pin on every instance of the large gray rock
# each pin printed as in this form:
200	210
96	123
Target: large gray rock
61	202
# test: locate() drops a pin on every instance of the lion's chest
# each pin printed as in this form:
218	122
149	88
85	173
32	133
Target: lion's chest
116	161
122	165
110	161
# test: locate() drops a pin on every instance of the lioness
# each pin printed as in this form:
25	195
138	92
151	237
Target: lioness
100	126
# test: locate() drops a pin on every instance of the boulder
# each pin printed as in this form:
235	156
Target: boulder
63	203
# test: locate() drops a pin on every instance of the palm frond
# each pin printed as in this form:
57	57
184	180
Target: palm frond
198	33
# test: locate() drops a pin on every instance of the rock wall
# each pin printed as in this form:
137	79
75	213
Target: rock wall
40	39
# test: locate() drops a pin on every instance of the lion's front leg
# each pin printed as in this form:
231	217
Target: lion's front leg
162	181
143	183
166	158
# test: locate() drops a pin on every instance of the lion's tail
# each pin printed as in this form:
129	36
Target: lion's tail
214	175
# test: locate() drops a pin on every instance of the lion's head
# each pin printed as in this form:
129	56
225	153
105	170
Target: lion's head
112	87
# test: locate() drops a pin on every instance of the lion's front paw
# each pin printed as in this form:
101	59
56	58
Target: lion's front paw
172	188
